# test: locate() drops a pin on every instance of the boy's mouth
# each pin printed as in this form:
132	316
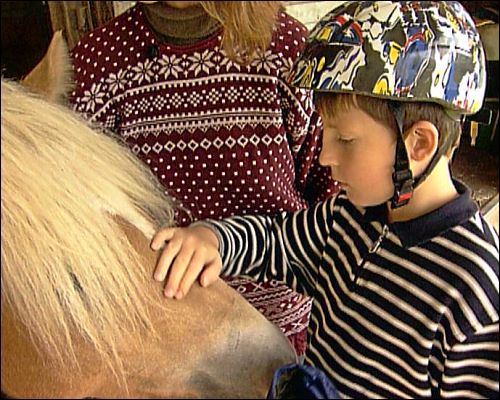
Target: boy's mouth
340	183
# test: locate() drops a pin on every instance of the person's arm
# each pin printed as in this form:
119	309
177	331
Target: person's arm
302	125
287	248
96	83
469	369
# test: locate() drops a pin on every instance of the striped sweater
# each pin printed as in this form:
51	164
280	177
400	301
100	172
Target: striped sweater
400	309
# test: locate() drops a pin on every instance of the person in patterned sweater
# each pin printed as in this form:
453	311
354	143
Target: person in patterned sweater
220	127
401	263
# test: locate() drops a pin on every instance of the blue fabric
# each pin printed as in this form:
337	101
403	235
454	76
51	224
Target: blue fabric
294	381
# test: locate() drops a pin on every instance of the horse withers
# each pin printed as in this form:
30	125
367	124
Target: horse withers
81	314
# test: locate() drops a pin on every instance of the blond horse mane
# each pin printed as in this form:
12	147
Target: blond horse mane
66	266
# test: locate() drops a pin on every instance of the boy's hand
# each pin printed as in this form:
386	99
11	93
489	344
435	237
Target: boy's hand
189	253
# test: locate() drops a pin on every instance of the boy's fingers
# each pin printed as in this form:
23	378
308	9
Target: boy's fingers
192	272
211	272
177	271
168	254
161	236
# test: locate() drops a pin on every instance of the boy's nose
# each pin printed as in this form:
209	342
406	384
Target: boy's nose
327	156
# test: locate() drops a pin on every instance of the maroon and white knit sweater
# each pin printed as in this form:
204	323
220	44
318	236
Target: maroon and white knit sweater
222	138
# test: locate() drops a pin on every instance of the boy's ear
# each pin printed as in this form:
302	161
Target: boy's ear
422	141
52	78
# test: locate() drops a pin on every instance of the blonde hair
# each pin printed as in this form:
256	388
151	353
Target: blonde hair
67	266
248	26
331	104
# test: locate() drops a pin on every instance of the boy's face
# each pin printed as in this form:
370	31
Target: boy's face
360	152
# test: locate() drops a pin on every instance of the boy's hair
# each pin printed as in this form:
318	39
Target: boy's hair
332	104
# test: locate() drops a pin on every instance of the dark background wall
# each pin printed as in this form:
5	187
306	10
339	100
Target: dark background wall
26	33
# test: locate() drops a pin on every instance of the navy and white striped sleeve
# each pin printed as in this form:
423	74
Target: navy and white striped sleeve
287	247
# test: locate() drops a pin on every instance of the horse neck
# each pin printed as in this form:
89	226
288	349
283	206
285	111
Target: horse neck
26	373
211	344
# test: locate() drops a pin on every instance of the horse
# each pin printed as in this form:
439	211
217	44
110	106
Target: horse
81	315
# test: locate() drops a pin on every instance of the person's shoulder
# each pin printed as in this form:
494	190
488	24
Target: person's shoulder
484	234
290	34
473	247
113	33
287	23
475	282
110	50
289	39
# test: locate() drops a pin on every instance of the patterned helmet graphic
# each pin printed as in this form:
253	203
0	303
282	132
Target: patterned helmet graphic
407	51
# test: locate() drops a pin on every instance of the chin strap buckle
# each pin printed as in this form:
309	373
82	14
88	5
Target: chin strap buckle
403	188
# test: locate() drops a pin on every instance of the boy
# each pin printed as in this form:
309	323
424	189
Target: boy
403	270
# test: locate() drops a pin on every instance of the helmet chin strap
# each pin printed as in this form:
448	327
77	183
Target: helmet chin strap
402	177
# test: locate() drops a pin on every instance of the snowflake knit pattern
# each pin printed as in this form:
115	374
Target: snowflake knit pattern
223	139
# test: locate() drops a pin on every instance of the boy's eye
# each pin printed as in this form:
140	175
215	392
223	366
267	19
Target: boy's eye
345	140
